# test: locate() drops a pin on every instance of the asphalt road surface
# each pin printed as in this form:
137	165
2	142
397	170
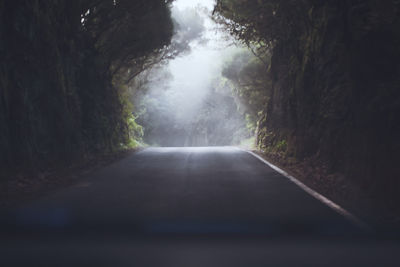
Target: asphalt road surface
216	206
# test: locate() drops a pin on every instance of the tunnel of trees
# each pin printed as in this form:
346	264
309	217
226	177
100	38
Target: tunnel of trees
334	83
64	67
319	84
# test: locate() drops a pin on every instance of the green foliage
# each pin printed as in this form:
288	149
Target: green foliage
335	79
281	145
63	72
250	123
135	130
250	84
262	22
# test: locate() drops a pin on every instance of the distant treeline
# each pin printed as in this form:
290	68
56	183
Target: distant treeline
63	69
332	80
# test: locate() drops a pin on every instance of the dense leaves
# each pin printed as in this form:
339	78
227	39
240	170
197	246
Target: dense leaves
334	81
63	66
249	83
263	22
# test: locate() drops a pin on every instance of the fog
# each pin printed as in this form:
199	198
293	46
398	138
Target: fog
182	4
185	102
193	73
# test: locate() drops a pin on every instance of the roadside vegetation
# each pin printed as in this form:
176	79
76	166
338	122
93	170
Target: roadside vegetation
65	69
331	77
314	85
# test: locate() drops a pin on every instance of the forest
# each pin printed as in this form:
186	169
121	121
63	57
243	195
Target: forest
64	70
333	94
313	83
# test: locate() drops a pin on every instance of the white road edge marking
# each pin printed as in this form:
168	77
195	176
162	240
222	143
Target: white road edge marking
315	194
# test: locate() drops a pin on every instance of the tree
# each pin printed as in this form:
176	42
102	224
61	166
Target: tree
250	84
64	67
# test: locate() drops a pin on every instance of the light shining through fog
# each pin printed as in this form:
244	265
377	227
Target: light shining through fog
185	103
193	73
182	4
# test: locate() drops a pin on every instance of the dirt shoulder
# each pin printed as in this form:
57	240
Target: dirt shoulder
24	187
368	206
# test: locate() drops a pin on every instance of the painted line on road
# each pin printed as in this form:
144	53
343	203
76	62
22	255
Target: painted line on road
315	194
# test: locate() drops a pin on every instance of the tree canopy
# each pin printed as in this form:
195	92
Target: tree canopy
63	68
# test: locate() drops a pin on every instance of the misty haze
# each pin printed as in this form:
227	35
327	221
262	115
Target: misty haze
187	101
199	133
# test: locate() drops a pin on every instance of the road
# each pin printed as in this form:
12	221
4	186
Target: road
168	194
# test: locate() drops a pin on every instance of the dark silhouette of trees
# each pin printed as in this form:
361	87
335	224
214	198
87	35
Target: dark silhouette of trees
63	66
334	76
250	86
